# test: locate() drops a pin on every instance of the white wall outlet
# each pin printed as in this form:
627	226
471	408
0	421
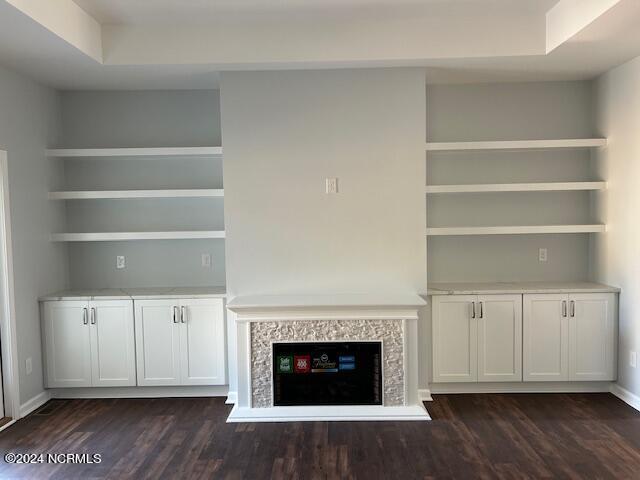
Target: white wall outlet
206	260
28	365
332	185
120	262
542	255
633	359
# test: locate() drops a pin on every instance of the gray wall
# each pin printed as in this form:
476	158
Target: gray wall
143	119
28	125
284	133
517	111
616	254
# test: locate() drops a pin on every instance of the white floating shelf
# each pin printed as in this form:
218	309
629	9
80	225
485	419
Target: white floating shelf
515	230
120	236
100	194
135	152
517	144
516	187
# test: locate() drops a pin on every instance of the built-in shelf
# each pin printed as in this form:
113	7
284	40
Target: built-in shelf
100	194
516	187
135	152
122	236
517	144
515	230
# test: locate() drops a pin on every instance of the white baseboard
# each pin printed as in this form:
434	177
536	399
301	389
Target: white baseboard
626	396
521	387
232	398
424	395
34	403
140	392
348	413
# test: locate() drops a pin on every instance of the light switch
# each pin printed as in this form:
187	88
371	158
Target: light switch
120	262
206	260
332	185
542	255
28	366
633	359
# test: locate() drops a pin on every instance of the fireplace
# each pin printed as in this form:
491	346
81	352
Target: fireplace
327	373
326	357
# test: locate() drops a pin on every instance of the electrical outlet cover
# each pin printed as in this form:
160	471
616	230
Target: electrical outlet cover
206	260
120	262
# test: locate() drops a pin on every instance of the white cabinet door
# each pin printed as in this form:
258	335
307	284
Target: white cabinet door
545	337
202	342
67	347
157	342
455	338
113	362
499	338
592	336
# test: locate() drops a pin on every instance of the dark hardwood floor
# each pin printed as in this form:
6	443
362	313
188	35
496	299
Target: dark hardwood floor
471	436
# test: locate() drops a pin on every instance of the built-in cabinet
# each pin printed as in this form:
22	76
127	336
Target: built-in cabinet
477	338
117	343
89	344
530	337
569	337
180	342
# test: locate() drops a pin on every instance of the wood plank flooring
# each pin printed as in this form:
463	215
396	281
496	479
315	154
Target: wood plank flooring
471	436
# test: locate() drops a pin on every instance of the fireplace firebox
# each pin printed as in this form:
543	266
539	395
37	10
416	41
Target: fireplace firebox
327	373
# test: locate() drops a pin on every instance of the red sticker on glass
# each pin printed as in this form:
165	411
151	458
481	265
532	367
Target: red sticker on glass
302	363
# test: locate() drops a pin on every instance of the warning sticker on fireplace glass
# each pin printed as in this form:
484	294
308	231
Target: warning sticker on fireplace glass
285	363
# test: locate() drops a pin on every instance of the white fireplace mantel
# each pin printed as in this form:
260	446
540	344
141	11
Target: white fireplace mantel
391	319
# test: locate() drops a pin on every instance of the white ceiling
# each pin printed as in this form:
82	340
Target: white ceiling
156	44
145	12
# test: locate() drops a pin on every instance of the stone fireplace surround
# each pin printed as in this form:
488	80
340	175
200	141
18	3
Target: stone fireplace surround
263	320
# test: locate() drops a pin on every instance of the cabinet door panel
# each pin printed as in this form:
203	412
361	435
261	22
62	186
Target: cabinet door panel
591	337
545	338
113	362
157	342
455	339
500	338
202	342
67	345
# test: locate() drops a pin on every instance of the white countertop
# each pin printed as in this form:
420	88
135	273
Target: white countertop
518	287
137	293
326	301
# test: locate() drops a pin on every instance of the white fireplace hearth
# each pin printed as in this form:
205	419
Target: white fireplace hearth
391	320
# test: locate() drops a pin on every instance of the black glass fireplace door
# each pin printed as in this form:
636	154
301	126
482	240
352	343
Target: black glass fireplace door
327	373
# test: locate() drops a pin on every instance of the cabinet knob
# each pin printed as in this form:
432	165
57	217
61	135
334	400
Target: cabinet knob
572	308
93	316
564	308
175	314
473	309
85	318
182	314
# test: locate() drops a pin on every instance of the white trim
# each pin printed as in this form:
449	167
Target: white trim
626	396
7	425
517	144
244	316
34	403
120	236
134	152
516	187
10	370
520	387
516	230
232	398
328	413
141	392
103	194
424	395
